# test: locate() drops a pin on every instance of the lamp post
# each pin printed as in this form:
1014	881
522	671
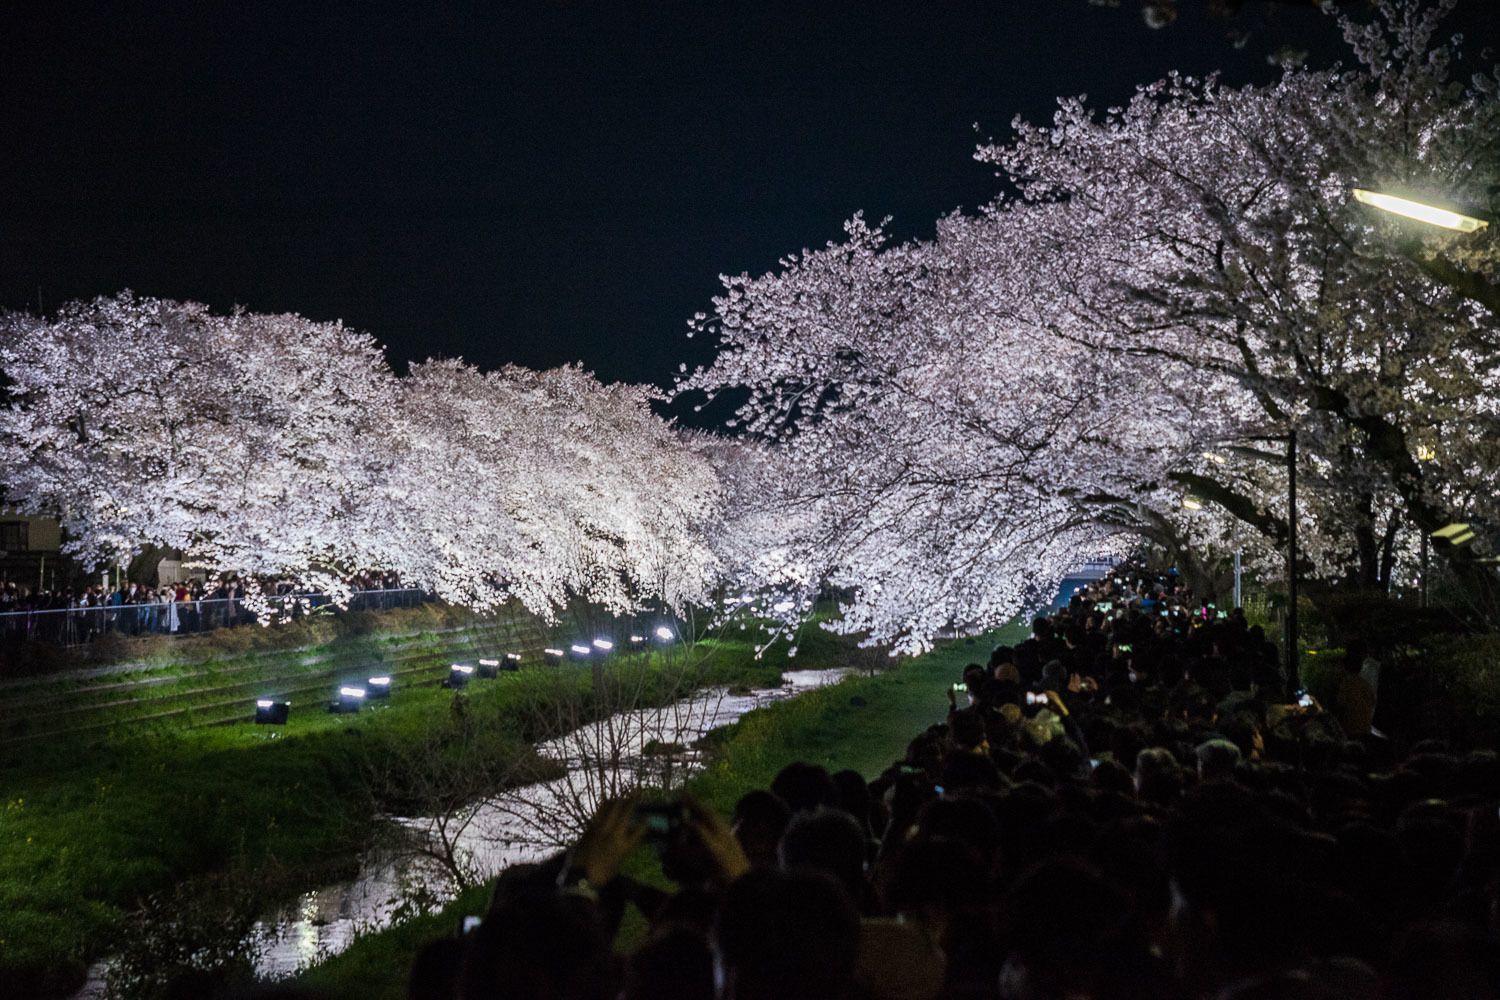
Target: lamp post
1433	216
1291	560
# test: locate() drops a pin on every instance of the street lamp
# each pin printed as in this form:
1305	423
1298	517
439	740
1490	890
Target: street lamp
1409	209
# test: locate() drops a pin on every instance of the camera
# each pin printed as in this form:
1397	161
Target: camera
662	819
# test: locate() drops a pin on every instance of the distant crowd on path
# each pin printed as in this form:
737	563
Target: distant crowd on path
136	609
1128	804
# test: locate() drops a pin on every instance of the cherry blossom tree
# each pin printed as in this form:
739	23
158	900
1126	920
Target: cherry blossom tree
277	446
139	421
1183	277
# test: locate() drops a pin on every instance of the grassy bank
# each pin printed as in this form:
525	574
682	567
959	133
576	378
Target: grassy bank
862	723
87	833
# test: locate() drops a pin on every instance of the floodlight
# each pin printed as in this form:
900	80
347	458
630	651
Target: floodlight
269	712
1429	214
580	652
379	687
665	634
512	662
636	640
552	657
1192	503
348	701
1452	536
488	669
604	644
458	675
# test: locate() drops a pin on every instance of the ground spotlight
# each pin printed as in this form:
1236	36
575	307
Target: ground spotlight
488	669
665	634
378	687
552	657
637	640
512	662
458	675
579	652
348	701
603	644
269	712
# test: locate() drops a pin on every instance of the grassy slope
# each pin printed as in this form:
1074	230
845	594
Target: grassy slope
85	835
819	727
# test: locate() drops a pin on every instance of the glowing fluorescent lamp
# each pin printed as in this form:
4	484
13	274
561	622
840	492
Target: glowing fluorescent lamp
512	662
462	668
1220	459
665	634
489	669
270	712
636	640
604	644
1409	209
264	703
578	650
352	692
552	657
380	687
1192	503
458	675
489	663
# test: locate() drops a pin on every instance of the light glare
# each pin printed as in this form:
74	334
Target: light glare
1429	214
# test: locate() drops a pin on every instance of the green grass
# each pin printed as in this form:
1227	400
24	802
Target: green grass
823	727
87	833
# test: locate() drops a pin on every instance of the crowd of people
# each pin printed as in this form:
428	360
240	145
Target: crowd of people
70	615
1129	803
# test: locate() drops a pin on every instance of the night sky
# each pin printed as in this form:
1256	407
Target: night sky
525	182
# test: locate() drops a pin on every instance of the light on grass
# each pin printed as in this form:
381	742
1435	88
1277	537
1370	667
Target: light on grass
269	712
665	634
458	675
348	701
604	644
581	652
489	668
552	657
636	640
379	687
1430	214
512	662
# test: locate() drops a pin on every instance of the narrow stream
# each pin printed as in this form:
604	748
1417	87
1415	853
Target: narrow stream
514	828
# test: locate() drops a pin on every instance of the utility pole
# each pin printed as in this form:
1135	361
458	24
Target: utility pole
1290	632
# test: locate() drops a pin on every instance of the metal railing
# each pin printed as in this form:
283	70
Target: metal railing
76	626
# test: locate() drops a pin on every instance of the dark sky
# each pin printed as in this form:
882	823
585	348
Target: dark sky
526	182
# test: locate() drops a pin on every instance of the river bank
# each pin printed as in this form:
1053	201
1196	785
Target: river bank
89	833
863	723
